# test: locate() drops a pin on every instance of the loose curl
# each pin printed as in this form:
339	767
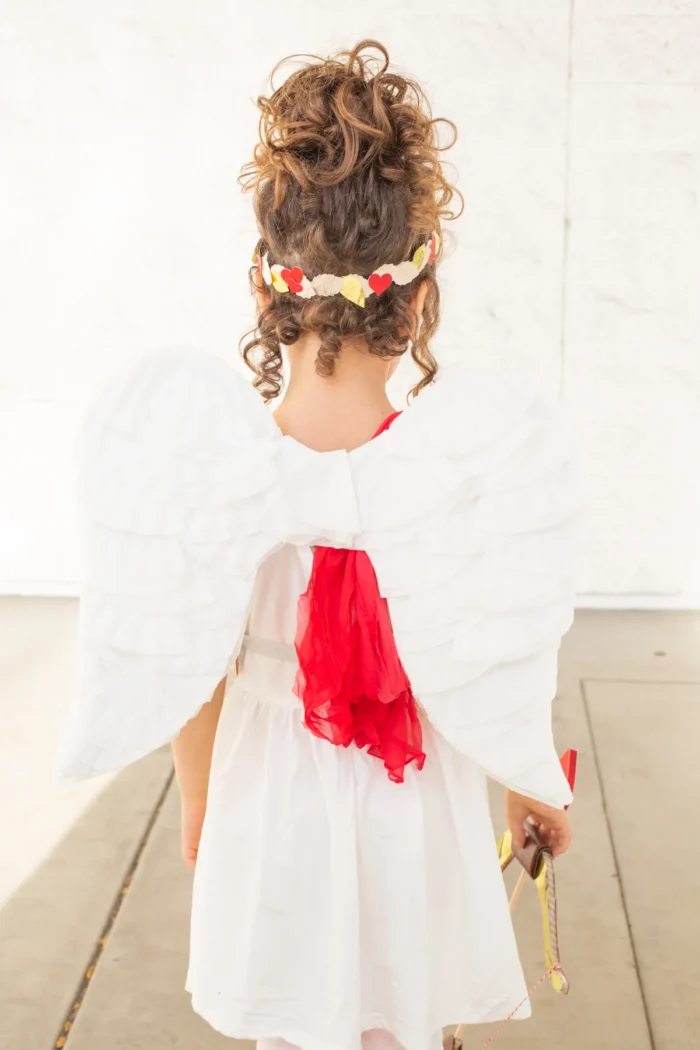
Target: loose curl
346	177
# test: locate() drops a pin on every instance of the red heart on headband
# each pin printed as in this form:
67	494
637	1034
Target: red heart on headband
379	282
293	278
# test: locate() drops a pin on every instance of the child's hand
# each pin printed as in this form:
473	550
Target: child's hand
553	824
192	819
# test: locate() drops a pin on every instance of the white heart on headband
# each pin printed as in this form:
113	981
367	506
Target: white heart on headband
353	286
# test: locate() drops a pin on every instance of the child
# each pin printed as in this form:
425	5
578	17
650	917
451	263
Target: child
371	602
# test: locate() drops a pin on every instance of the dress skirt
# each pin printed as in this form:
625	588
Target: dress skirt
329	900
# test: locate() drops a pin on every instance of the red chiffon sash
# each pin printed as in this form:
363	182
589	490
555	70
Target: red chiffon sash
350	678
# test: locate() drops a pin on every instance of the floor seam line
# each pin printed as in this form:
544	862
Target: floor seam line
616	862
64	1032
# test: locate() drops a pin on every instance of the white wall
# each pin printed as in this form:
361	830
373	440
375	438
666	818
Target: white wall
123	128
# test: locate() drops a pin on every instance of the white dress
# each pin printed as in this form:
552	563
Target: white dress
329	900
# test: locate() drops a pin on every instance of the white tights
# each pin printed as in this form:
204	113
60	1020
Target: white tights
372	1039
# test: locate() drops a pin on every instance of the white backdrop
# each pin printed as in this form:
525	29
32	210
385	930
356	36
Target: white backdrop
123	126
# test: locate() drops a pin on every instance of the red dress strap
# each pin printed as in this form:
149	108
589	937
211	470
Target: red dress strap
350	678
386	424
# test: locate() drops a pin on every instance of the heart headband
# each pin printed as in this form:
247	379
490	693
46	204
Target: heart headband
353	286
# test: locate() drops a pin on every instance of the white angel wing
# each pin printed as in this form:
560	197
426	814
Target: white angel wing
466	506
469	503
175	472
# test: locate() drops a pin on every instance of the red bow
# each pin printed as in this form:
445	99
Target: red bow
350	677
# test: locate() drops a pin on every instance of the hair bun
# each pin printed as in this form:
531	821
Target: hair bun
337	117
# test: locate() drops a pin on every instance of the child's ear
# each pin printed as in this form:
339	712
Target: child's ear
417	302
418	298
261	293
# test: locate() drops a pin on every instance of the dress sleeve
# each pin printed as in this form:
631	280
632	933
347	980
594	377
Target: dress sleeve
479	573
174	470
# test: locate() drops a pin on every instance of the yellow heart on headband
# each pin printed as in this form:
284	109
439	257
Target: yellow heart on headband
279	282
352	289
418	257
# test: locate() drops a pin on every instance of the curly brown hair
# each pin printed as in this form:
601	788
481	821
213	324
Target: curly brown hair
346	177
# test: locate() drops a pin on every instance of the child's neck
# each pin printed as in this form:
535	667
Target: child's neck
338	411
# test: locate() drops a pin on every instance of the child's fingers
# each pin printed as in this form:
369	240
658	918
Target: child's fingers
561	840
517	831
556	835
189	855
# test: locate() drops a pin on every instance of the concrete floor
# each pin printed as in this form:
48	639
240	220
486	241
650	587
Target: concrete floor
93	930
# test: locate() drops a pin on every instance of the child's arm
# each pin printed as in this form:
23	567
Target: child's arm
192	751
